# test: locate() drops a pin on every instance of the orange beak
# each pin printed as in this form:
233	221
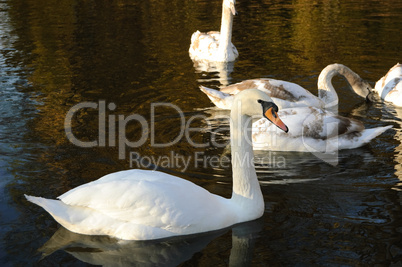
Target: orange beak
272	116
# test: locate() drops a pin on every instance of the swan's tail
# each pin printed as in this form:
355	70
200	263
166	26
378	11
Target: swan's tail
366	136
56	208
73	218
346	141
40	201
221	100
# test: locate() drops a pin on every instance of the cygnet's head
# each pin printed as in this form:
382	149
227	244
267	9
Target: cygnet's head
362	88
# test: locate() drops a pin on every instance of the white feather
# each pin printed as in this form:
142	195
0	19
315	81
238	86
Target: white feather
389	87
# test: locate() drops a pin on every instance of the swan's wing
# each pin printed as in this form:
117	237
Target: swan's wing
379	86
312	130
394	72
145	197
241	86
220	99
285	94
292	117
309	122
333	126
203	44
388	88
363	137
395	95
387	83
274	88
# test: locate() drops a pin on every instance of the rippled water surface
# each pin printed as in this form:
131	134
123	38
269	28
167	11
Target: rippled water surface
125	56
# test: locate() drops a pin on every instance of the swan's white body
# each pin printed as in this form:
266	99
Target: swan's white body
138	205
312	130
389	87
289	95
213	45
143	205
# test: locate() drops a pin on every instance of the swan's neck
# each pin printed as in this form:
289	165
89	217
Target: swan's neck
246	188
225	41
327	92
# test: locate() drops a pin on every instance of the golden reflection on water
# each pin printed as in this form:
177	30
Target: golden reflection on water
134	53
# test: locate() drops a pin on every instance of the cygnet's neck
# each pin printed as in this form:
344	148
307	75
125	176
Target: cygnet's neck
326	91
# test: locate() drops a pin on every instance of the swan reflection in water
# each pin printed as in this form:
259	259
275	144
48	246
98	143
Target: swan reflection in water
107	251
398	149
220	70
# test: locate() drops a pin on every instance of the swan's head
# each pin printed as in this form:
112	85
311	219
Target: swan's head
255	103
371	97
270	113
362	88
231	5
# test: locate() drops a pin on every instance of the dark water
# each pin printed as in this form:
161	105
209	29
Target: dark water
125	55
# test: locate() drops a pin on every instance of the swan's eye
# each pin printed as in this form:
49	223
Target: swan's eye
274	113
275	107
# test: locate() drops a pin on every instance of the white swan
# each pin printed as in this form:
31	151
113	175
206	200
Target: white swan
389	87
216	46
312	130
287	94
140	204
